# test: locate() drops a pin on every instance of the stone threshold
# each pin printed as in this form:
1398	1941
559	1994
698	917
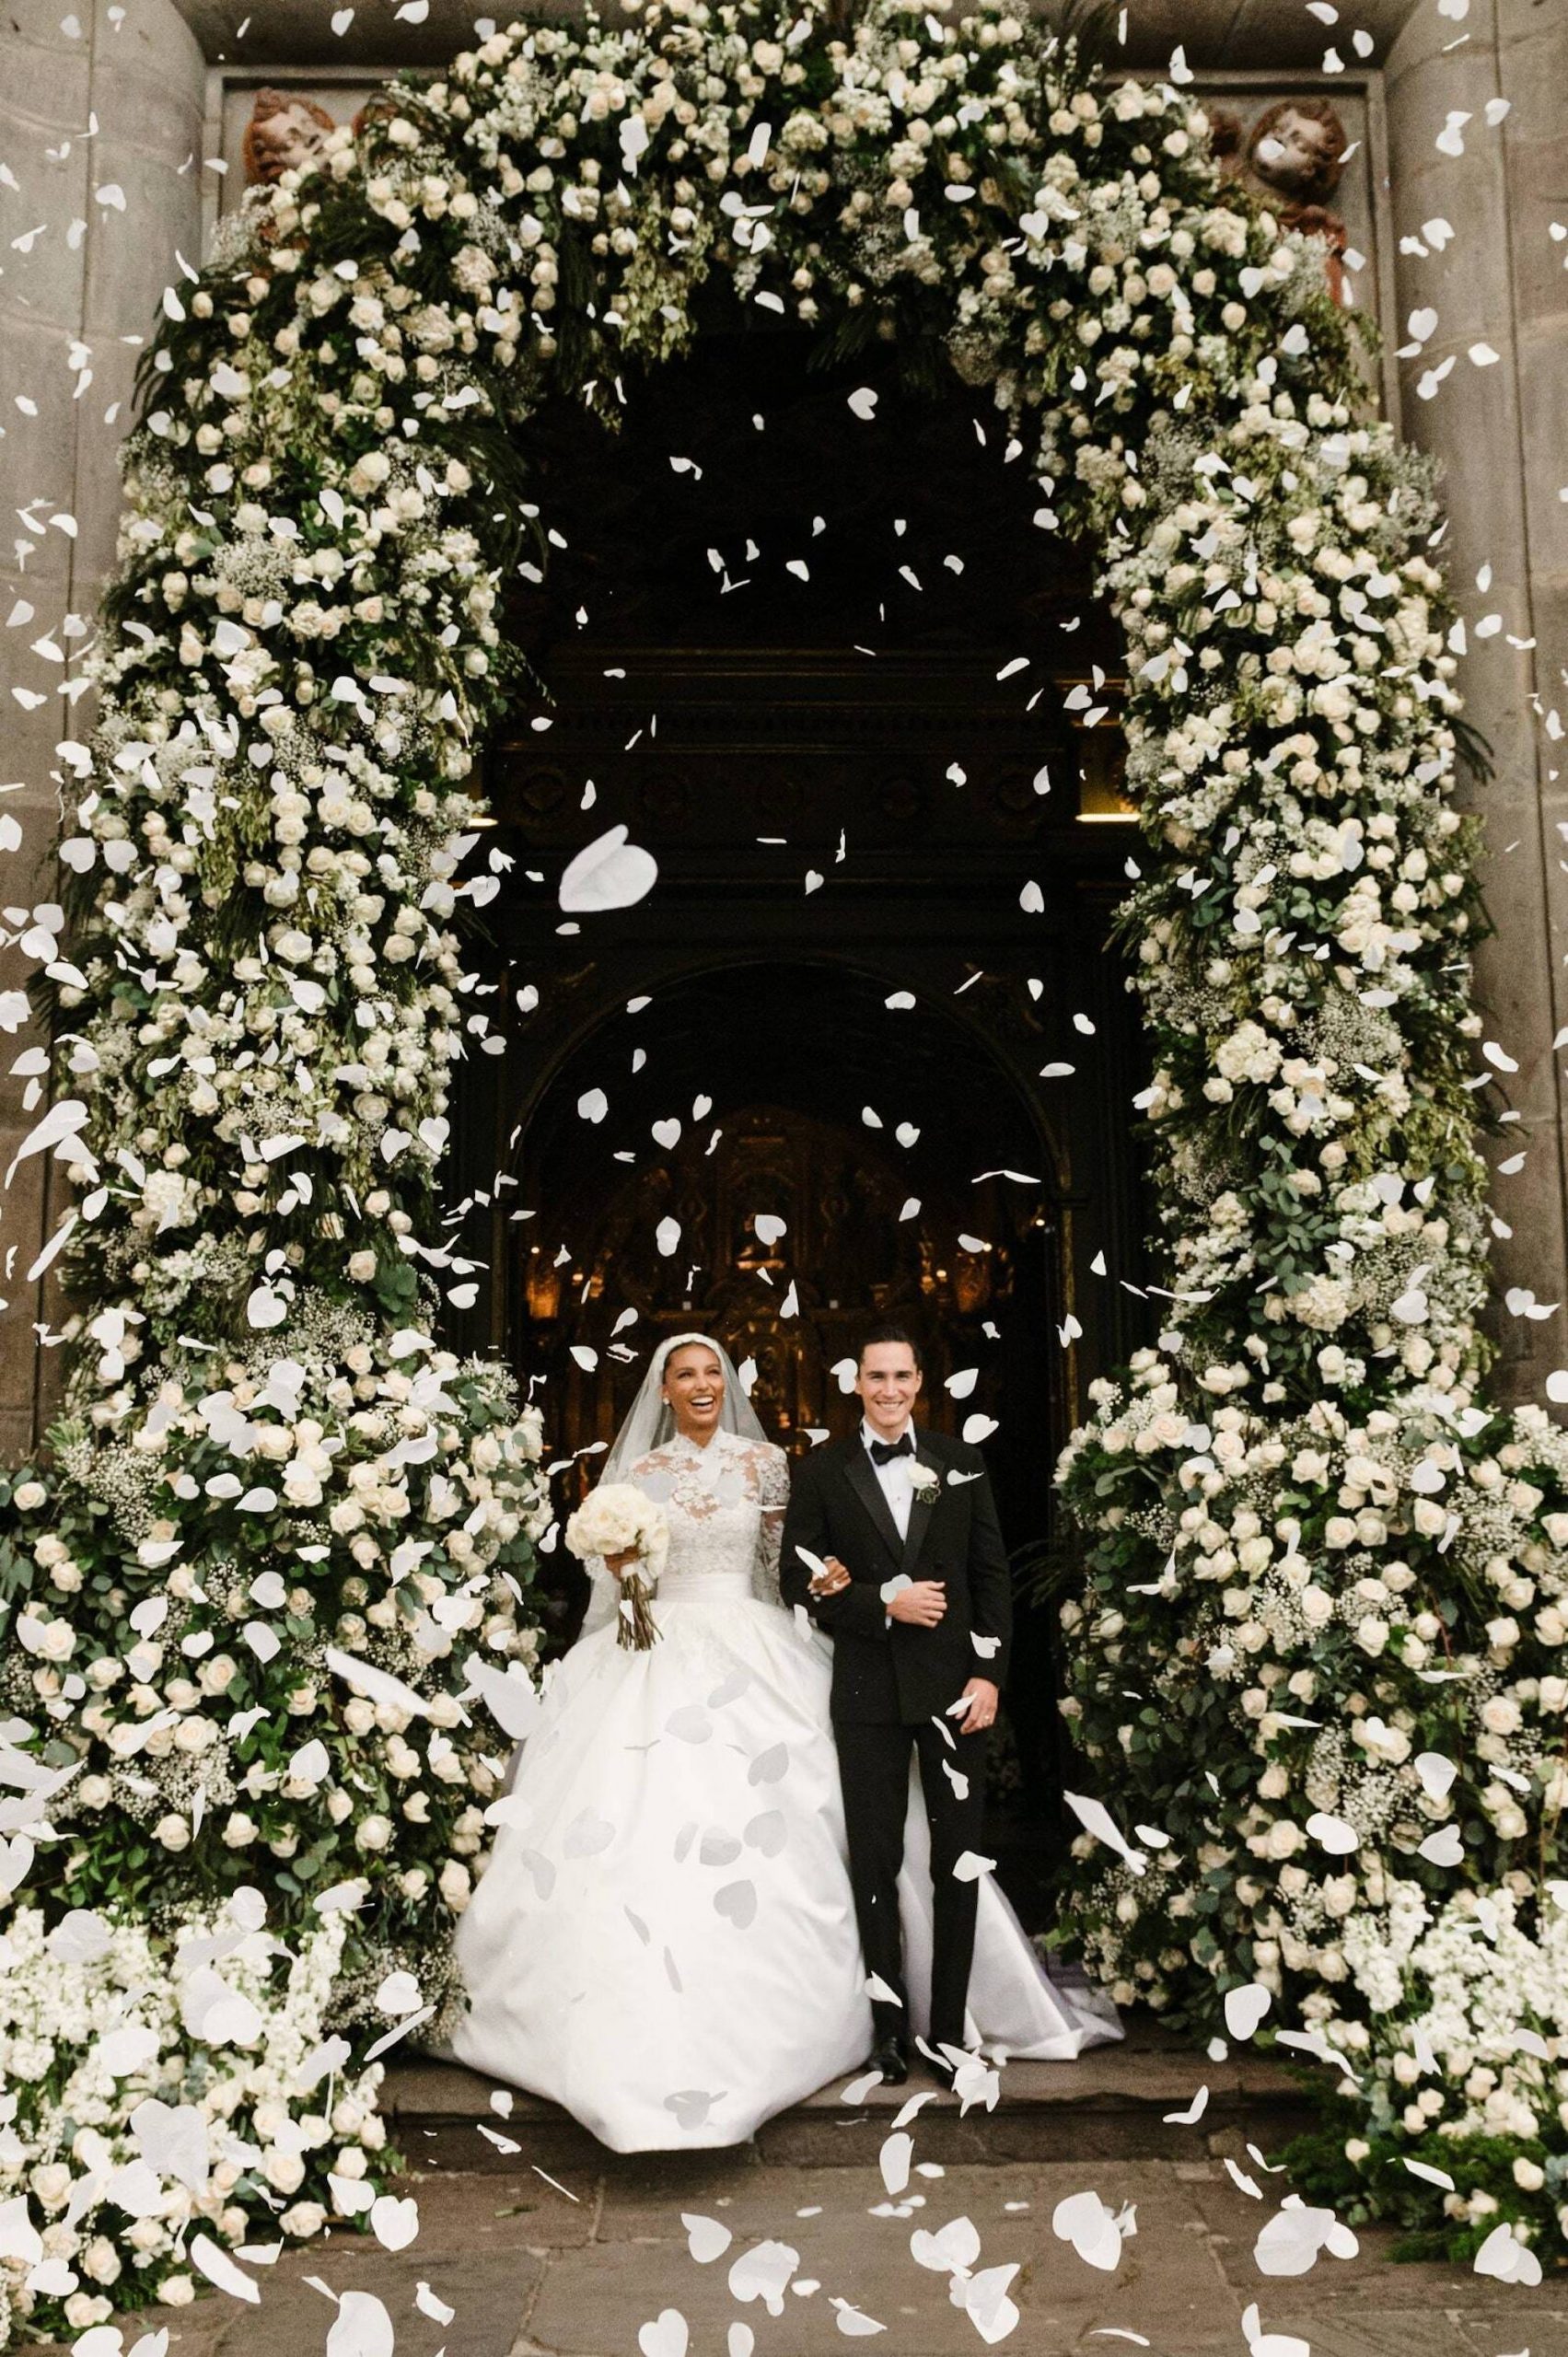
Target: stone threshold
1111	2104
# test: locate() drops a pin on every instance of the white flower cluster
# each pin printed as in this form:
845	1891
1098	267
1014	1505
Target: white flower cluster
1372	1616
617	1519
270	1662
1456	2057
146	2107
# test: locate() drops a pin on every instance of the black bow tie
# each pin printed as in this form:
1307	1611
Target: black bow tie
884	1451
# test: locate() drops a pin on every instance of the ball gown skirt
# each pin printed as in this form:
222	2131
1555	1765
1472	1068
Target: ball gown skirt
665	1939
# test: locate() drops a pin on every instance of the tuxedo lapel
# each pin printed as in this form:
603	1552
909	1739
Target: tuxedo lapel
863	1481
922	1517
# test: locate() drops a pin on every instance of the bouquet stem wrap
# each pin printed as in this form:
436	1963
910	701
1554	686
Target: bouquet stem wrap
636	1631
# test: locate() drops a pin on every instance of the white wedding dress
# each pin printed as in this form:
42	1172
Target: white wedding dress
665	1939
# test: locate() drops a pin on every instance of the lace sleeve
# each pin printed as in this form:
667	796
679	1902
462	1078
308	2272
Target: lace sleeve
773	1496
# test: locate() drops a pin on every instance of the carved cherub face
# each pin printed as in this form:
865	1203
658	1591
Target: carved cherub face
1296	148
283	135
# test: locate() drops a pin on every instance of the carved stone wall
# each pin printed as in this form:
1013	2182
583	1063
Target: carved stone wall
91	234
1500	429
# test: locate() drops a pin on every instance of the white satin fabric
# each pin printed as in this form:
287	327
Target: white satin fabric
665	1939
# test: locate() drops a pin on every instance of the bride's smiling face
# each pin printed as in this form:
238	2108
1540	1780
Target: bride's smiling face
693	1385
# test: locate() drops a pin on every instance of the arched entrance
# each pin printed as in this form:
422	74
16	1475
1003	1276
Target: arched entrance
870	739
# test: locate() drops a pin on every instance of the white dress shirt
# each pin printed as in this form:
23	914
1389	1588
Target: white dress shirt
893	1478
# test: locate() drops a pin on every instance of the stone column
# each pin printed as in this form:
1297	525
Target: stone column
1501	433
100	115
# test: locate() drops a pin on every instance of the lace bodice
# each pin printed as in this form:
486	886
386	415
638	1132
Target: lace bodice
725	1507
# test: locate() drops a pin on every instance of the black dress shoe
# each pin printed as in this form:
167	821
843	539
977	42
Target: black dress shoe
934	2053
891	2057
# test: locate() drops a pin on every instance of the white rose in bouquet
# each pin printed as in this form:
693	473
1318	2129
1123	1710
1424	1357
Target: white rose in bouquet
614	1520
617	1519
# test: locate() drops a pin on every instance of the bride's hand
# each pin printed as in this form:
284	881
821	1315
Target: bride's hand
621	1564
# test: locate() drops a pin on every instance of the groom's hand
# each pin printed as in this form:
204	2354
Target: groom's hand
983	1699
923	1603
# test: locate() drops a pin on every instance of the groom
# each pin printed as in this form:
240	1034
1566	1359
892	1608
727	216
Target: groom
916	1596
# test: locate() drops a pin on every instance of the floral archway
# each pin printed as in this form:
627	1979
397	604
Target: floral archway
267	1593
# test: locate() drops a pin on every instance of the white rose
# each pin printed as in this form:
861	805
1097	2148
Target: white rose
284	2171
300	1485
101	2260
173	1832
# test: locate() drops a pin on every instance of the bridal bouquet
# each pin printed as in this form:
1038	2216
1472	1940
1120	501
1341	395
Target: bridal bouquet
617	1520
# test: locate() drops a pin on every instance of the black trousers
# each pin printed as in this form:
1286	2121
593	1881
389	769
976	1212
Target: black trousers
874	1768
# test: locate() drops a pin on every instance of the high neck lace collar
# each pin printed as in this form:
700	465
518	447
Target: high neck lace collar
690	1447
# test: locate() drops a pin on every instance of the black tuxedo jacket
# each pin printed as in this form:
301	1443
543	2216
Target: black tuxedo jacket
888	1672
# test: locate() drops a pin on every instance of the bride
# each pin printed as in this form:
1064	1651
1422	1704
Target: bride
665	1939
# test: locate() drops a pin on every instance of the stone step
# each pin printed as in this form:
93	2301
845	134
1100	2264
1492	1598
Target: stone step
1111	2104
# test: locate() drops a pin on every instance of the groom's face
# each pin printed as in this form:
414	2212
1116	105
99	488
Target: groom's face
889	1385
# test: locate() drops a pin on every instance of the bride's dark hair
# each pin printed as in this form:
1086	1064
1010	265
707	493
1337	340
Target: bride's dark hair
888	1331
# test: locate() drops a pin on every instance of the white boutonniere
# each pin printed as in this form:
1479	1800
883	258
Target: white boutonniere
925	1482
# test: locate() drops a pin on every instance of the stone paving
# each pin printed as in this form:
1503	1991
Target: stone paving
533	2270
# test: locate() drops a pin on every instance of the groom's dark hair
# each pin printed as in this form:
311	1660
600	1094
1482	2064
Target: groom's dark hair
888	1331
